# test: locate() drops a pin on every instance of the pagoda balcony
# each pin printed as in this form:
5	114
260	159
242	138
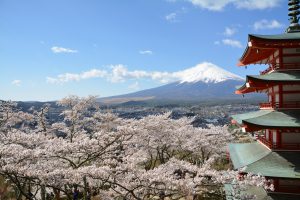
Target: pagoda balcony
283	146
277	105
267	105
278	66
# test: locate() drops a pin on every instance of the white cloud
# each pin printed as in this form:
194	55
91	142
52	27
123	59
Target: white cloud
171	17
229	31
257	4
215	5
119	73
218	5
267	24
217	42
62	50
146	52
233	43
67	77
134	86
16	82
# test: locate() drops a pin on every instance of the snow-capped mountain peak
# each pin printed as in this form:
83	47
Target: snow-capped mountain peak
206	72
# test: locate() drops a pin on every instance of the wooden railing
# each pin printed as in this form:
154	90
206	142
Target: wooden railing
266	105
265	141
283	146
288	105
270	68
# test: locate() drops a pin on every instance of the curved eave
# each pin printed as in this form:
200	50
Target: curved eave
251	88
259	83
275	77
258	159
285	37
260	47
240	117
253	55
255	126
264	119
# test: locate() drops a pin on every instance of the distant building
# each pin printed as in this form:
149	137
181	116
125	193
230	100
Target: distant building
276	154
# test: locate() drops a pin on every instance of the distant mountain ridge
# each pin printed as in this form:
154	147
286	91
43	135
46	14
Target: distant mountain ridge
203	82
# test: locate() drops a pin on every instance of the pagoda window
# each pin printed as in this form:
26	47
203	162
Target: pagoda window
290	138
287	88
291	60
291	51
288	97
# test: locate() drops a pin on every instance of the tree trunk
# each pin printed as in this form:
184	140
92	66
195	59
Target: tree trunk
18	193
86	192
56	194
43	192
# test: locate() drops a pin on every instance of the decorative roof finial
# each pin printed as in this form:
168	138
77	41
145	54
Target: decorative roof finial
294	19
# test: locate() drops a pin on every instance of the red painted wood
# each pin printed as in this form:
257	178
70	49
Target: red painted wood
280	95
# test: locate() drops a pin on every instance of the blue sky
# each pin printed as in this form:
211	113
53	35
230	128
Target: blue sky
53	48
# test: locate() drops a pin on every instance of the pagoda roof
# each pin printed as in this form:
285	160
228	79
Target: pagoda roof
278	76
259	192
258	159
269	119
259	82
260	47
284	36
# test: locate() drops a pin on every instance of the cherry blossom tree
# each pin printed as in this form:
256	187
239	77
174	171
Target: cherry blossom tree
103	155
11	117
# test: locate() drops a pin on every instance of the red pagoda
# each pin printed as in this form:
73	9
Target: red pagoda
276	153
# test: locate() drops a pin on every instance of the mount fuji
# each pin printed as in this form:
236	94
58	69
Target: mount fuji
202	82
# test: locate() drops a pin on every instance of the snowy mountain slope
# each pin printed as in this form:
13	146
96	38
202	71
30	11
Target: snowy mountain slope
205	81
206	72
